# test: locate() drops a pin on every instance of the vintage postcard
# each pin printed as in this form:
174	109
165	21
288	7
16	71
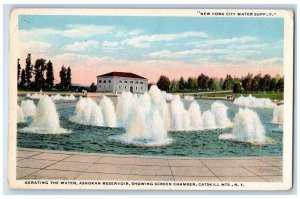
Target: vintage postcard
151	99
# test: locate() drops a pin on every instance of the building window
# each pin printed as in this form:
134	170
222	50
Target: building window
135	88
136	82
131	82
141	82
119	86
125	87
99	81
141	88
120	81
104	81
125	81
109	81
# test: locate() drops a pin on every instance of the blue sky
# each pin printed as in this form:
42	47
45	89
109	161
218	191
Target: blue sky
132	41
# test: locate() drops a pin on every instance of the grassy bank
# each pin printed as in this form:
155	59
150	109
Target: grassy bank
220	94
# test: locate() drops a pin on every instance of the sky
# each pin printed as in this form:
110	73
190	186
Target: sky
153	46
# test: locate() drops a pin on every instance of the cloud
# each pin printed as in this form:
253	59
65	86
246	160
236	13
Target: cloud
272	61
234	59
81	46
135	32
237	50
36	47
85	31
38	33
250	46
110	46
77	31
144	41
227	41
186	53
203	59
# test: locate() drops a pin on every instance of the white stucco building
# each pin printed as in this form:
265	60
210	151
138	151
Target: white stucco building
121	81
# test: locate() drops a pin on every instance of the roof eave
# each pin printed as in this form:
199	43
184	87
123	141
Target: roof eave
123	77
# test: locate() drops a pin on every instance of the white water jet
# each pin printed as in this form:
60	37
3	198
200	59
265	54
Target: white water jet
124	108
278	115
148	117
209	120
71	97
147	120
195	115
220	114
180	120
157	128
138	127
58	97
88	112
46	120
247	127
109	113
158	102
167	96
20	115
188	98
35	96
146	129
254	102
28	108
174	115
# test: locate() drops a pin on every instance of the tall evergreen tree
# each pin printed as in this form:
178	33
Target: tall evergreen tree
254	84
19	70
181	84
211	84
247	82
228	83
69	78
39	69
28	70
63	77
280	84
237	88
23	79
273	84
259	81
202	81
266	82
49	75
216	84
221	83
174	86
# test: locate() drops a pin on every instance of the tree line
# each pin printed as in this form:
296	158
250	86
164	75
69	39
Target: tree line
249	83
40	75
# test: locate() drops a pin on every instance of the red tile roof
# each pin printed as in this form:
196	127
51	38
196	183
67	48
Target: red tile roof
121	74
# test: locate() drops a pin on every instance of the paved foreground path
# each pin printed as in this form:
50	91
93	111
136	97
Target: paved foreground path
42	164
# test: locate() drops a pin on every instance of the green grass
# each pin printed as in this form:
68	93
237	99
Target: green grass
217	94
271	95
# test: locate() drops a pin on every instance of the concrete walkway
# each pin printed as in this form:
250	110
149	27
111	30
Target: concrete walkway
41	164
